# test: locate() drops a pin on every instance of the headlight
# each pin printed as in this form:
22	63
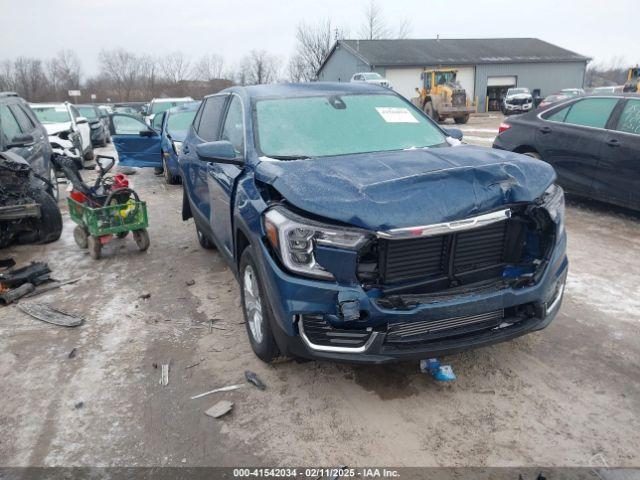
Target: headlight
553	202
294	239
177	147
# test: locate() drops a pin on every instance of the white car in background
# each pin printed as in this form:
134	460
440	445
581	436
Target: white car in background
160	105
371	77
64	119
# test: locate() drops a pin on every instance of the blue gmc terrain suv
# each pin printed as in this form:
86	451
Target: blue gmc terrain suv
361	231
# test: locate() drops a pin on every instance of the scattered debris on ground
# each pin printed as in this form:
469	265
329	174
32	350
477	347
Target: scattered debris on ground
49	314
53	286
164	376
219	409
221	389
16	283
253	378
145	295
72	353
79	405
8	296
192	365
441	373
190	283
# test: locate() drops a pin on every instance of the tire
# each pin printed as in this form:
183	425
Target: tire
81	236
535	155
53	190
50	223
157	170
204	241
95	247
89	155
461	120
168	176
257	313
142	239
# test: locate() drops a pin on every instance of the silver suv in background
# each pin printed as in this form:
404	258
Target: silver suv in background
372	78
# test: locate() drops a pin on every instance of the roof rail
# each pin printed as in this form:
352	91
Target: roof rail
9	94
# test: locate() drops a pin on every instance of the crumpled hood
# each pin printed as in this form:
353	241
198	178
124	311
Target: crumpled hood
519	96
55	128
385	190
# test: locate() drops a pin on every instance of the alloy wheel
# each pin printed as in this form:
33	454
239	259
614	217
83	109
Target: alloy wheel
253	303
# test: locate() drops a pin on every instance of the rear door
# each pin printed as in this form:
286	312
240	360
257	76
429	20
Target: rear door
618	179
137	144
569	138
83	128
221	177
206	128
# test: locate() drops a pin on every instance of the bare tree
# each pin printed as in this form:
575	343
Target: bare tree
259	67
175	67
405	28
297	69
7	77
30	78
313	45
208	67
124	70
607	73
64	71
375	25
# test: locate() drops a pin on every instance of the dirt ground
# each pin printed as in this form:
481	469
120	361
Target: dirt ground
566	396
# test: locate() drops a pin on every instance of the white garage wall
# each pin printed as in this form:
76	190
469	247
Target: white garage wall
405	80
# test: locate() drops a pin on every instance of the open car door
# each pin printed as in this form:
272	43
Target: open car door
137	144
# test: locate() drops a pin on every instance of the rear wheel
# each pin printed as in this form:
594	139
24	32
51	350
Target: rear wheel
461	120
142	239
533	155
95	247
81	236
89	155
258	317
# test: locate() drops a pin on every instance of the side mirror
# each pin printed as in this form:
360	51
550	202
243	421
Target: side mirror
80	120
22	140
220	152
454	133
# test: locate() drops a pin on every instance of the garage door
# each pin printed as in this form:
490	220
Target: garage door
509	81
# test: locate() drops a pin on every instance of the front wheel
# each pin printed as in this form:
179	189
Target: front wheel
50	222
461	120
53	189
169	177
89	155
95	247
257	314
204	241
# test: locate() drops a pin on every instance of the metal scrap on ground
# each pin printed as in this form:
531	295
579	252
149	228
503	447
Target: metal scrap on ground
221	389
49	314
253	378
164	376
219	409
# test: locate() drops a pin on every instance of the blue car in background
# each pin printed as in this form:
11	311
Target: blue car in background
158	145
361	231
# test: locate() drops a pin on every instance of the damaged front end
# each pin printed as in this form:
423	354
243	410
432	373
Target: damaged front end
377	296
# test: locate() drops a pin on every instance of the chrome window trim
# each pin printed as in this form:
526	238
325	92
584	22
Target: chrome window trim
445	227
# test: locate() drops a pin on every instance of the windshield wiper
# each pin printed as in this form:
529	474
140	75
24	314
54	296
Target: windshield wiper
288	157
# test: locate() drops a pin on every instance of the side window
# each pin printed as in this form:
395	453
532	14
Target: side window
210	121
591	112
74	112
157	121
8	123
233	130
558	116
630	119
26	125
126	125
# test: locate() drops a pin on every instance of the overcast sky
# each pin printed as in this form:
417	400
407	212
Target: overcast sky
233	27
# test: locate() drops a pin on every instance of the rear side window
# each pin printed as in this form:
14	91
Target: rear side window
8	123
210	121
591	112
26	125
558	116
630	119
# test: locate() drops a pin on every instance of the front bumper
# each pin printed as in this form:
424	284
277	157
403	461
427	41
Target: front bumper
292	299
518	108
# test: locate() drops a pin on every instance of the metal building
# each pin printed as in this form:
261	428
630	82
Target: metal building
486	67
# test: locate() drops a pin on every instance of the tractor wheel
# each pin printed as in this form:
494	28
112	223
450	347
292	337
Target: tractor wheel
428	109
461	120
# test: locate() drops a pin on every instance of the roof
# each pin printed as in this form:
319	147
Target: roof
423	52
287	90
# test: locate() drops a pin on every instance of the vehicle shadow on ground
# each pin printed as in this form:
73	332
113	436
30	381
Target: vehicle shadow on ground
601	208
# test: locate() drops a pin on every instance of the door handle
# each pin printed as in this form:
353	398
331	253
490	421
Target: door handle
613	142
545	130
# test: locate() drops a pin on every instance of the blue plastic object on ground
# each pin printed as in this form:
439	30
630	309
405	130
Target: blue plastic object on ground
441	373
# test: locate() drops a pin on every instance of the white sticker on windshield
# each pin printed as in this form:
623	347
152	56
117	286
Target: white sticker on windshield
396	115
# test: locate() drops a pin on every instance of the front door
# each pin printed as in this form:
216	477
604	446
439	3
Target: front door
137	144
570	139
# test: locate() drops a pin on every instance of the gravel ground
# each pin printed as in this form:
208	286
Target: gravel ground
566	396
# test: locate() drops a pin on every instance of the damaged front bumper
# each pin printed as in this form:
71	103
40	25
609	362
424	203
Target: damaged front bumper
311	315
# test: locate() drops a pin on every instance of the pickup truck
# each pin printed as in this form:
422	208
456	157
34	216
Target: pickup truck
361	231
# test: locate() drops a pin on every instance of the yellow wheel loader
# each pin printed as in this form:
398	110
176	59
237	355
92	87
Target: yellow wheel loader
633	80
442	97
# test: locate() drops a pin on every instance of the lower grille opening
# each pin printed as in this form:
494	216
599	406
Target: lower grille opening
320	332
